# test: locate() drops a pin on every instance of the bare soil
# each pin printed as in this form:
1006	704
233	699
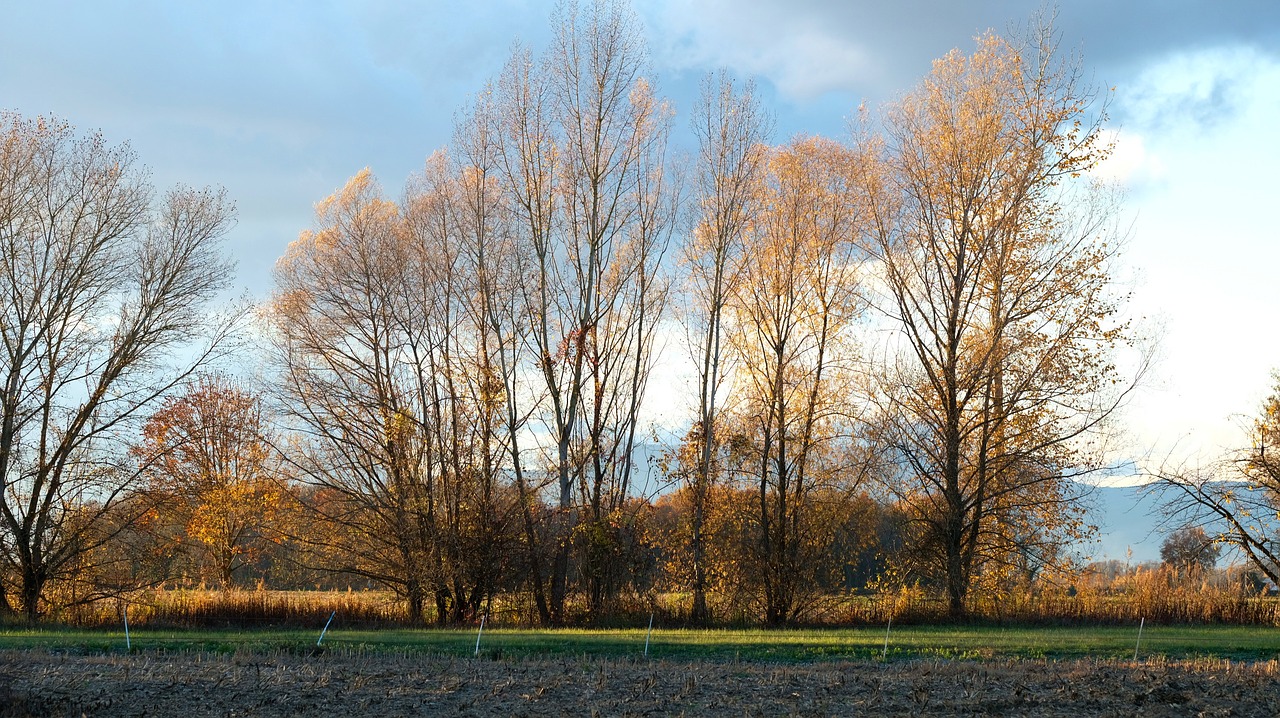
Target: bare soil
40	683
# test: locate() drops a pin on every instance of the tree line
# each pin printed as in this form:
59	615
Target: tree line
903	352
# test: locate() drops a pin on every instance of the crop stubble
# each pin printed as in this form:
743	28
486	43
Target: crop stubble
41	683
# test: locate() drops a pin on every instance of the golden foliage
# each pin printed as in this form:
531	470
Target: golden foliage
209	458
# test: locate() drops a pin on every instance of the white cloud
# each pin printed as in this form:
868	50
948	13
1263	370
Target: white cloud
795	52
1130	164
1205	241
1195	90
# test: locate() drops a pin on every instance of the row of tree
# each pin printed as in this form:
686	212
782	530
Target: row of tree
923	317
220	516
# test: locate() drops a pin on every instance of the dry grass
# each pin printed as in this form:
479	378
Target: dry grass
1157	595
198	608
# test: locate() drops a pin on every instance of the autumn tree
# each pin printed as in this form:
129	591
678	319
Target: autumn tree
210	461
520	119
389	378
453	278
732	131
348	392
105	296
1234	500
795	309
996	254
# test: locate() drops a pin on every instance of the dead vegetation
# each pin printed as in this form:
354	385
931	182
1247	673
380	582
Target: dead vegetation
38	683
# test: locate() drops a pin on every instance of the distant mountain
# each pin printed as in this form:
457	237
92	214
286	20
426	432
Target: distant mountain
647	478
1126	519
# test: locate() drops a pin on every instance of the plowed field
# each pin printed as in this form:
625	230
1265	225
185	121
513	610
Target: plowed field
40	683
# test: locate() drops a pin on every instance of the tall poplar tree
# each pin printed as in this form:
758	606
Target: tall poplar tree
997	258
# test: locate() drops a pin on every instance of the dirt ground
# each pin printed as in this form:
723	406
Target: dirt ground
39	683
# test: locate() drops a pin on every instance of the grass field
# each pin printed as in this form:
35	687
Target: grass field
911	642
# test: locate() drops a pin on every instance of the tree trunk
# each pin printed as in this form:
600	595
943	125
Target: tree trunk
956	588
459	602
559	581
539	595
225	570
699	615
417	599
957	577
32	587
534	563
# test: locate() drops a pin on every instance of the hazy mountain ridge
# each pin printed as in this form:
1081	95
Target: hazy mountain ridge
1128	518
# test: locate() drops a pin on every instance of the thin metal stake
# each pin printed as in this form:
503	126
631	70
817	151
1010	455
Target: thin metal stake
647	636
326	627
884	655
480	633
128	646
1142	623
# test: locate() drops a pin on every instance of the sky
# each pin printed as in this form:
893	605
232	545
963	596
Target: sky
281	102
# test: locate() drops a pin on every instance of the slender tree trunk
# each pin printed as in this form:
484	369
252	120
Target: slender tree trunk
953	538
533	565
699	614
533	562
559	580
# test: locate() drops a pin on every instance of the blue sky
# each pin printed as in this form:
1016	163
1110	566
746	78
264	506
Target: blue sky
281	102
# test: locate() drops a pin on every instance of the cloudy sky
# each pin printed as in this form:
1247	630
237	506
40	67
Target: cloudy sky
281	102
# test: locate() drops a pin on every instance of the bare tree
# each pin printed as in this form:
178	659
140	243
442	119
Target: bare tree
1190	549
104	292
1234	501
455	281
732	131
351	390
582	142
392	375
526	159
495	272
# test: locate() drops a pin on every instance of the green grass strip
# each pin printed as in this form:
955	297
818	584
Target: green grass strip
909	642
